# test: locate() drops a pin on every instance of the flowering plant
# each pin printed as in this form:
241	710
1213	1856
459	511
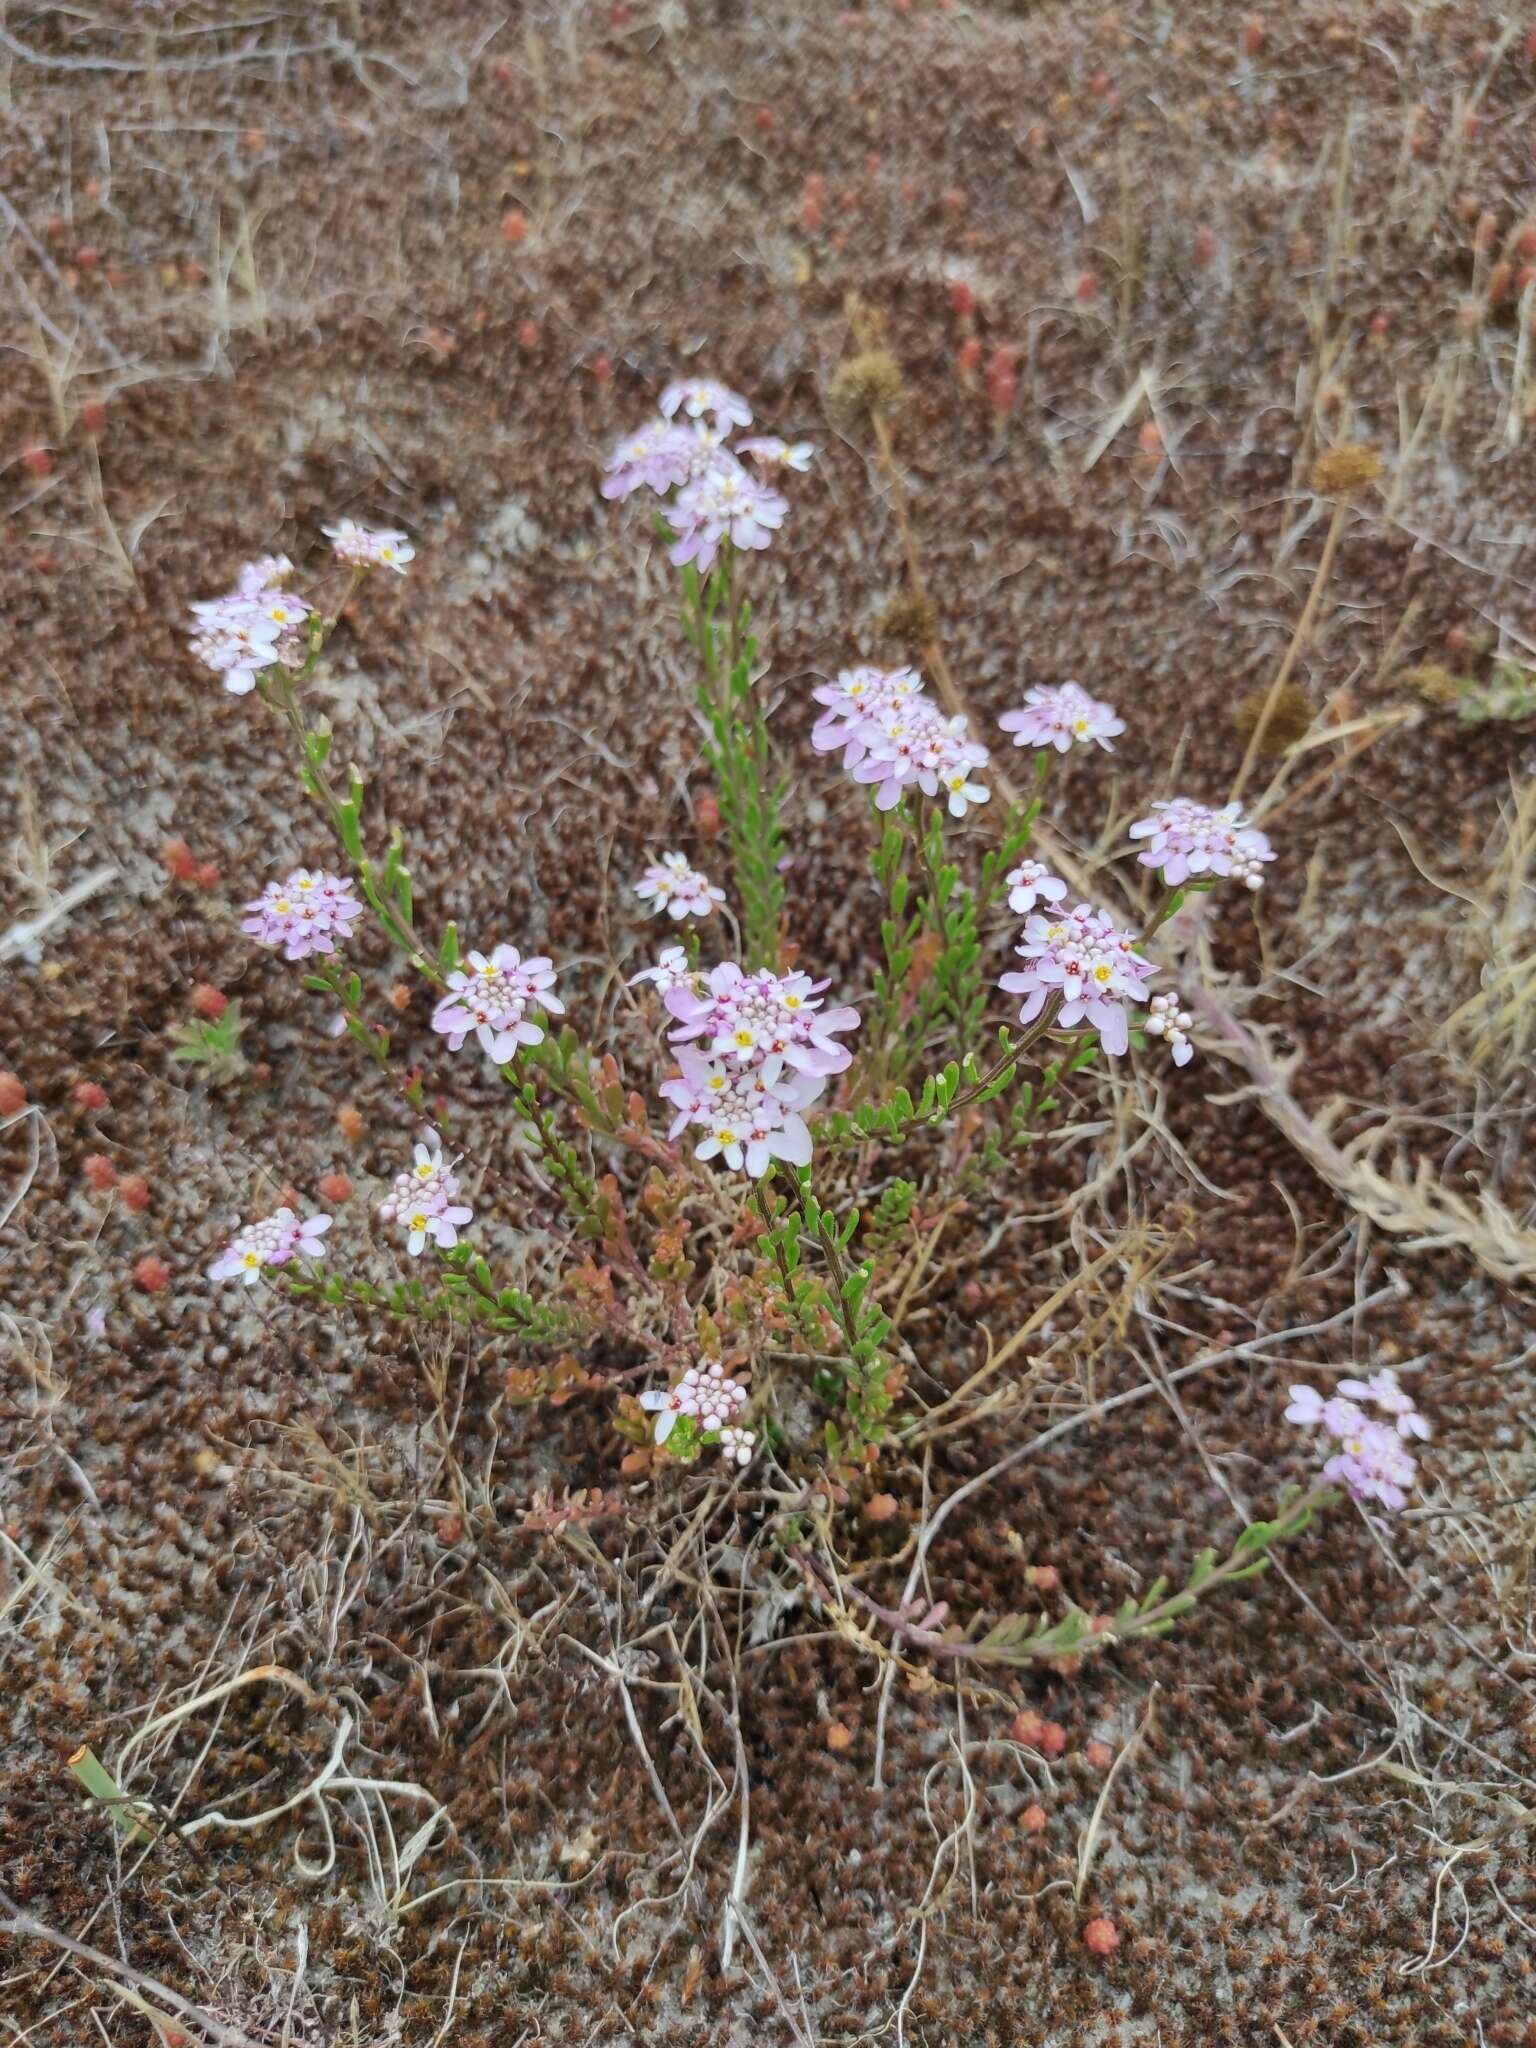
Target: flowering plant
754	1245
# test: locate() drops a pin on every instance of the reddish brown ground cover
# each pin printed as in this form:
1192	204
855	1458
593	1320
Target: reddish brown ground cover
422	265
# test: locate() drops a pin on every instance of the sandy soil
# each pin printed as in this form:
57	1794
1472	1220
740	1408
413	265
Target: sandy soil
422	266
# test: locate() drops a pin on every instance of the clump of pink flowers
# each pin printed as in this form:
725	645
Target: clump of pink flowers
424	1201
307	913
893	737
275	1241
713	1399
491	998
755	1050
687	451
1372	1460
672	884
252	627
1188	839
369	547
1082	961
1062	715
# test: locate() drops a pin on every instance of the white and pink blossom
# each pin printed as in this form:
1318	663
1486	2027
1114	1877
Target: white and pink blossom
724	504
369	547
1080	961
423	1200
762	1020
276	1241
1032	882
701	397
236	640
1167	1021
671	971
1371	1459
1188	839
492	996
673	885
1062	715
307	913
773	453
660	456
747	1120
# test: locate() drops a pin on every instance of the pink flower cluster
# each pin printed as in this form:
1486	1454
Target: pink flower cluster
306	914
770	1048
1187	839
369	547
687	451
1062	715
273	1242
894	738
423	1201
491	997
1372	1460
705	1392
679	889
253	627
1082	960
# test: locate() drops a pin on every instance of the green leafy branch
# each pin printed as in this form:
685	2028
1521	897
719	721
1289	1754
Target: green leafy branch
737	749
467	1295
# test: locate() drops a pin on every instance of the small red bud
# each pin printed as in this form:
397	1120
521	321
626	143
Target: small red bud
1032	1820
1101	1937
1381	324
762	120
962	300
602	369
349	1121
1149	438
1027	1727
1003	380
87	256
1253	36
1086	290
90	1095
12	1095
1053	1739
152	1274
706	815
1099	1755
209	1001
968	355
528	334
100	1172
1204	251
335	1187
177	858
208	875
134	1192
37	460
514	227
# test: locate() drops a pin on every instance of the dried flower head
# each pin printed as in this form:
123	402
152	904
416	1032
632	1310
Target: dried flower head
1434	682
1290	717
869	382
1348	468
909	621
